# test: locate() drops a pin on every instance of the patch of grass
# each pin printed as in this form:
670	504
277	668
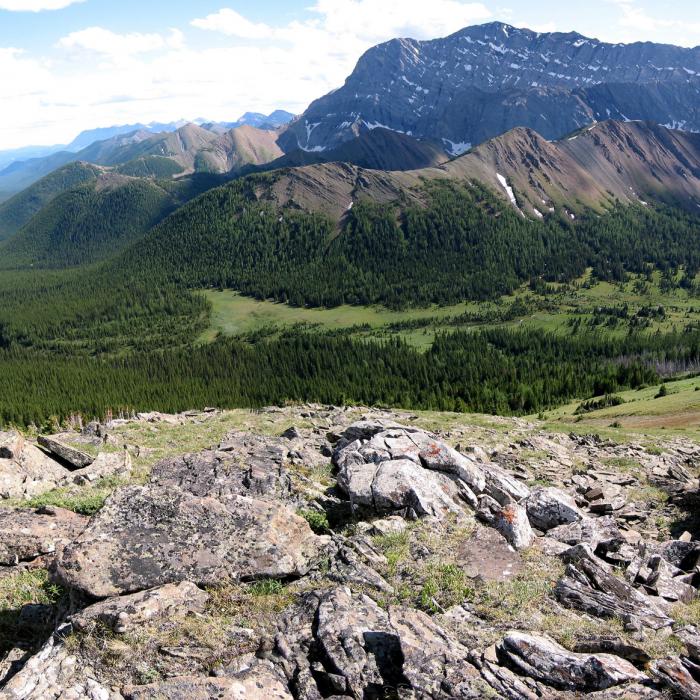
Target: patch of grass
622	464
522	597
687	613
84	500
446	585
16	591
396	547
318	520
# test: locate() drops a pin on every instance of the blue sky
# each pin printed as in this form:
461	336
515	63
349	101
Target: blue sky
67	65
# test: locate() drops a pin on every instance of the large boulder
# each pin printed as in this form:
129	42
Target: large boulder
106	464
404	469
147	536
415	445
28	534
550	507
673	673
254	468
543	659
29	474
72	456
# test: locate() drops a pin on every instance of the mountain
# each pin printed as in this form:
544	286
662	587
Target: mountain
88	222
269	122
592	169
10	156
188	149
87	138
375	149
484	80
515	209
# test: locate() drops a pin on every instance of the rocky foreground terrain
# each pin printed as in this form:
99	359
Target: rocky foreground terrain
315	552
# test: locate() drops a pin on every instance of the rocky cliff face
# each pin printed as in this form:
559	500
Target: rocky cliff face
487	79
355	554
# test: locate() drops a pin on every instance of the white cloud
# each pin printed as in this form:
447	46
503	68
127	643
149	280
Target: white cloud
102	41
231	23
35	5
636	24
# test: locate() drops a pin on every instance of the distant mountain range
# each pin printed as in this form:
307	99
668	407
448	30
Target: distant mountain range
484	80
21	167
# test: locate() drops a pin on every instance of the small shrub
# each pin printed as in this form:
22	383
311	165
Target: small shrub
317	519
663	391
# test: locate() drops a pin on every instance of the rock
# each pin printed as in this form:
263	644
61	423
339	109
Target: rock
502	486
361	650
664	582
615	646
545	660
690	636
126	612
487	555
28	534
510	520
147	536
11	444
31	474
548	508
259	683
292	433
76	459
673	674
56	674
415	445
251	469
106	464
600	534
590	586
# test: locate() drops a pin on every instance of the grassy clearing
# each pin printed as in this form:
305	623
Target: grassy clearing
591	306
676	413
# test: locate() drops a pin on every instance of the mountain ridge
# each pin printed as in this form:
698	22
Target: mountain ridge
483	80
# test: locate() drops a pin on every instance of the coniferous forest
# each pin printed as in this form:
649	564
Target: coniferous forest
114	325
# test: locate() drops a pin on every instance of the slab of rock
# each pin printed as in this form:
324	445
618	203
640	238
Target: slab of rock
550	507
672	673
147	536
31	474
11	444
106	464
129	611
487	555
75	458
589	585
254	469
600	534
28	534
56	674
541	658
259	683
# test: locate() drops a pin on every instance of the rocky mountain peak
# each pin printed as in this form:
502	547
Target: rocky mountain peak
486	79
